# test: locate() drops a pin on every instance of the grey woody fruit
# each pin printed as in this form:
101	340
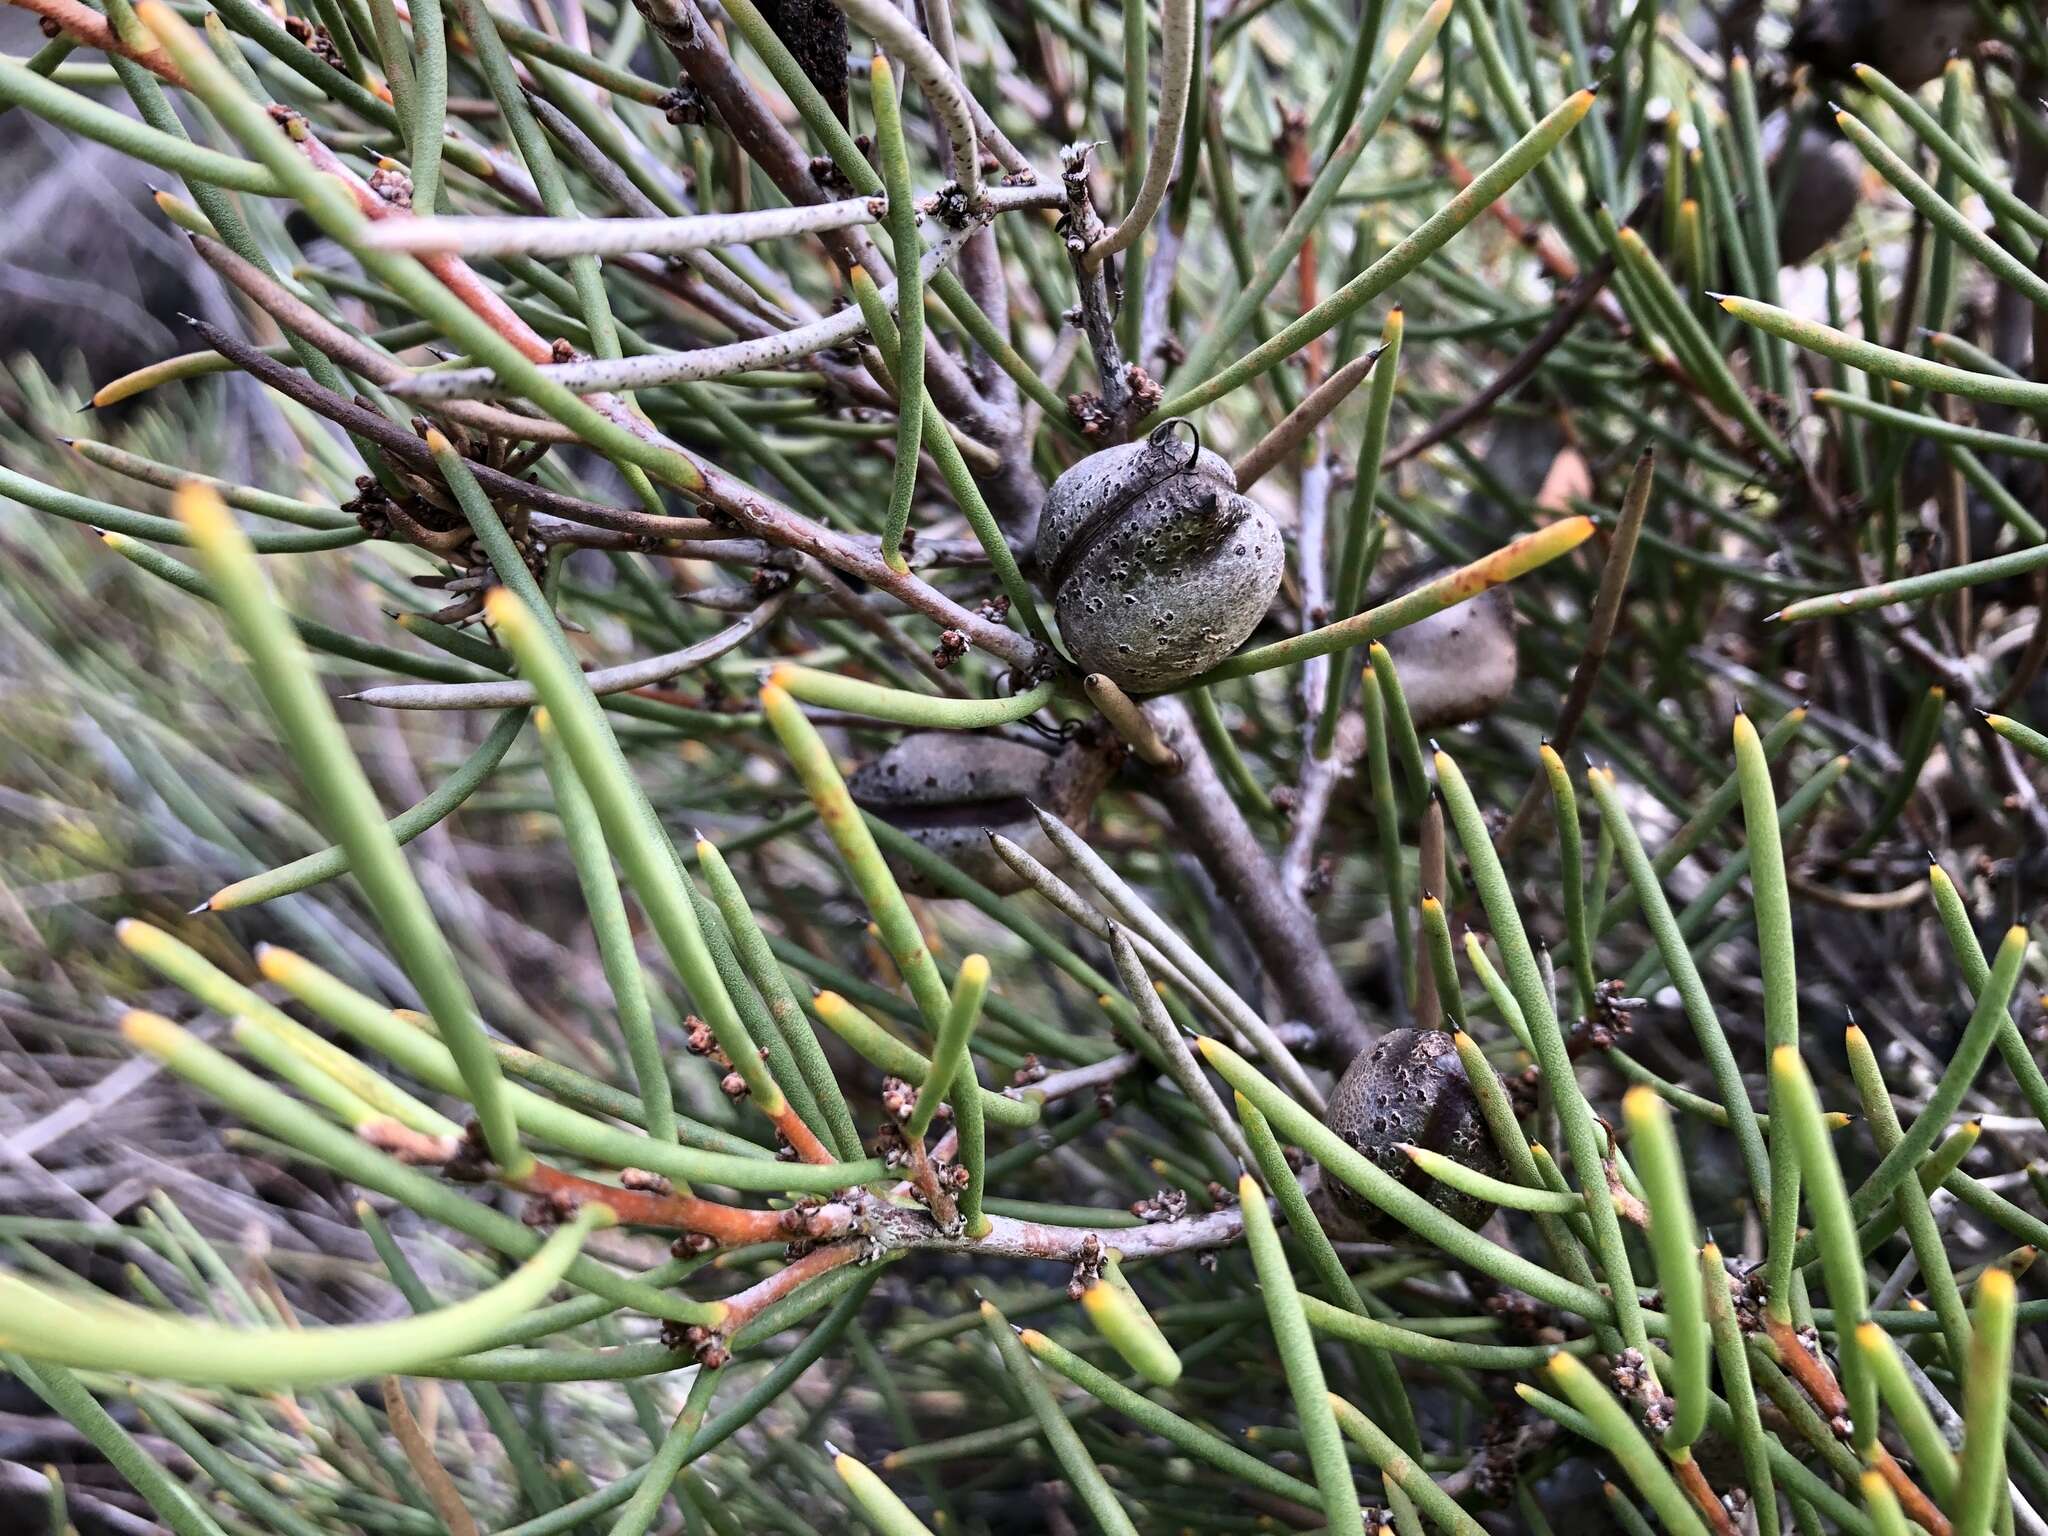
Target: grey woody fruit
1457	665
947	790
1408	1086
1159	568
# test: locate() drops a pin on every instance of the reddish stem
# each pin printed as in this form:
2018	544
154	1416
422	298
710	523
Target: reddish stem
749	1304
727	1224
801	1136
455	274
1819	1383
84	25
926	1179
1694	1482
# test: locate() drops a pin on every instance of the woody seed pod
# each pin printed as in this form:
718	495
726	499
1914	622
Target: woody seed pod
1457	665
1159	568
1409	1086
947	790
1905	40
1827	189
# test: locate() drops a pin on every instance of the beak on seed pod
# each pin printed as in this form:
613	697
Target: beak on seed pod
948	789
1159	568
1408	1086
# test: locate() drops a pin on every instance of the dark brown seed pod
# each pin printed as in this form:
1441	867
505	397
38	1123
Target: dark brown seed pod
1409	1086
1907	41
1827	189
1158	567
948	789
814	31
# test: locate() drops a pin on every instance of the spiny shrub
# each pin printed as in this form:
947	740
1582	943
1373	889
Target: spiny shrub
1060	583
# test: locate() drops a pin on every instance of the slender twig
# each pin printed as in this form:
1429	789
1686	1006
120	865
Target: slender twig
1280	927
1621	548
301	319
486	236
402	444
1081	227
1459	418
1267	453
623	678
654	369
1176	72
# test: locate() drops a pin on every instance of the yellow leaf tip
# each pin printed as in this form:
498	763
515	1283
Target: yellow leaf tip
200	508
275	962
147	1031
